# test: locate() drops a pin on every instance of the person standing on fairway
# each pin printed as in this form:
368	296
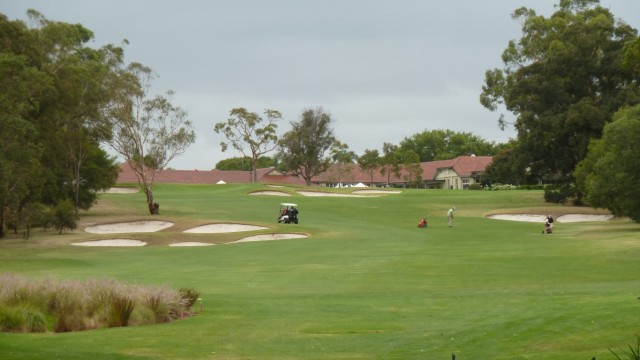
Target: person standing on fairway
450	215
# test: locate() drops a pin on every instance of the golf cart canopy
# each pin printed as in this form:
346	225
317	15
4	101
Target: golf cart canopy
288	204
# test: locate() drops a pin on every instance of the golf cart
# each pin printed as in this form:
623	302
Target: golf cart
288	213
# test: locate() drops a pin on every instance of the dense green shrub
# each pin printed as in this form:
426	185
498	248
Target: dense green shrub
559	194
21	319
64	216
190	296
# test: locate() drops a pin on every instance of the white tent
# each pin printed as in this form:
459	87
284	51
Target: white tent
360	185
221	182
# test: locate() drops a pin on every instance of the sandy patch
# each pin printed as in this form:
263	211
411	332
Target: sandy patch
112	242
267	237
321	193
121	190
519	217
274	193
129	227
223	228
578	218
364	192
191	243
541	218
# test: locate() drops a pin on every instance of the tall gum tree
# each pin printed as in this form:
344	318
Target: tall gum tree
148	132
563	81
243	128
303	148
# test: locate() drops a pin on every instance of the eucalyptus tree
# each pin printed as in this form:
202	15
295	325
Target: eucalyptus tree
562	80
342	159
369	162
244	128
411	163
148	132
303	148
390	161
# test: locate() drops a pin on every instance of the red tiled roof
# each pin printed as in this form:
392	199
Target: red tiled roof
464	166
267	175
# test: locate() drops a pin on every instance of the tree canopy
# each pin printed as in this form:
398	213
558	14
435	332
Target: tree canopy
446	144
243	128
244	163
303	148
148	132
609	174
563	80
54	92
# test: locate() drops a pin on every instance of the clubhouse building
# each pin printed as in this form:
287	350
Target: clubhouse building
458	173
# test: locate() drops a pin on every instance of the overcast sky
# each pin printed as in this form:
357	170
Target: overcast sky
385	70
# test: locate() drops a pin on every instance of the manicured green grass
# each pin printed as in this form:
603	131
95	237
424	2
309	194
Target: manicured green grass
366	283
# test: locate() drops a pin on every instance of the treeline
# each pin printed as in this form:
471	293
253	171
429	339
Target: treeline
54	95
428	145
59	101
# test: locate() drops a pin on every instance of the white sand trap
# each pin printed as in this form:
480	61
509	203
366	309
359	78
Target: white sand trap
321	193
267	237
121	190
519	217
129	227
223	228
112	242
541	218
274	193
579	218
191	243
365	192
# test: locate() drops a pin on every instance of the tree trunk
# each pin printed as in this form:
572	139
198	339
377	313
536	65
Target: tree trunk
149	192
254	164
2	212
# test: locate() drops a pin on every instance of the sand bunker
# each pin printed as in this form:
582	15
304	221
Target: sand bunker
578	218
274	193
267	237
121	190
365	192
190	243
321	193
541	218
112	242
129	227
223	228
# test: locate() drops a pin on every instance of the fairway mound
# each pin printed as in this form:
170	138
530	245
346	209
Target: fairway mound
129	227
223	228
190	243
322	193
367	192
541	218
112	242
270	192
121	190
267	237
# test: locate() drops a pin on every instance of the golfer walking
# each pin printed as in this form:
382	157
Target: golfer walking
450	215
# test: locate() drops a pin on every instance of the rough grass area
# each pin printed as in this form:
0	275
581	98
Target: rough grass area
41	305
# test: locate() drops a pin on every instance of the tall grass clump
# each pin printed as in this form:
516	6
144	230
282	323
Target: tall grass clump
28	305
632	354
